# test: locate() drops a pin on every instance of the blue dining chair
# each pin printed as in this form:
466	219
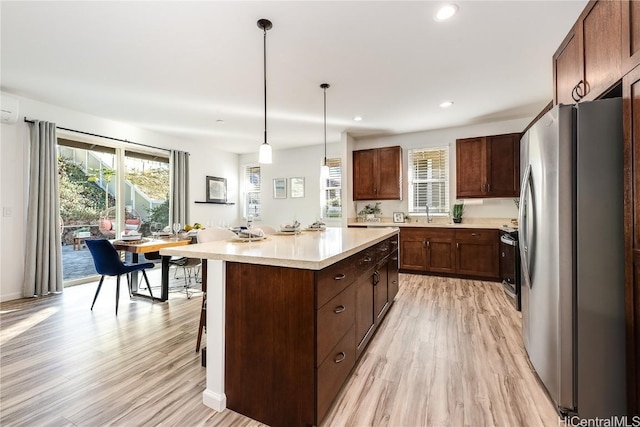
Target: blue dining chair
108	263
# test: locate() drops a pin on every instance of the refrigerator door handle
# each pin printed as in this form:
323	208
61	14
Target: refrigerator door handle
523	221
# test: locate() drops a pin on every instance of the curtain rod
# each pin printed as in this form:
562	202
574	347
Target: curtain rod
102	136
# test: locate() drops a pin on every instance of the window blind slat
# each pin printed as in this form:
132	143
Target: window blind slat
429	180
332	194
252	186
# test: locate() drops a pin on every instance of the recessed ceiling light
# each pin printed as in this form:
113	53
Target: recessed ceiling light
446	104
220	121
357	119
445	12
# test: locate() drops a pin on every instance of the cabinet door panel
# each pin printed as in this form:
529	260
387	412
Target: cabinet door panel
477	258
381	293
413	255
504	173
470	167
364	310
389	173
630	34
363	173
392	276
567	68
440	256
602	38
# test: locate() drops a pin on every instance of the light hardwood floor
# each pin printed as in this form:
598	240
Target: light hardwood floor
448	354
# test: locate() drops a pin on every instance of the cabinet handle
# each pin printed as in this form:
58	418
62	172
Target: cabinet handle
474	234
376	277
428	243
458	245
394	281
384	249
488	188
579	91
339	309
367	259
340	357
339	276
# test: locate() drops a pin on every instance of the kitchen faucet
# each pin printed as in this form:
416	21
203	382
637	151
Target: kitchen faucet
428	215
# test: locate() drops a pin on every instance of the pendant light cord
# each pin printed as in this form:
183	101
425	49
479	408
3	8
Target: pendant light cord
265	85
325	126
324	87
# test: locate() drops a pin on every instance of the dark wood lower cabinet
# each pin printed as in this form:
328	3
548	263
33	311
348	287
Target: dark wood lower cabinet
477	253
468	252
293	336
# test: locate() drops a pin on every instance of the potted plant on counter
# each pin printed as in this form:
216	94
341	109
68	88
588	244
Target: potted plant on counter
369	212
456	214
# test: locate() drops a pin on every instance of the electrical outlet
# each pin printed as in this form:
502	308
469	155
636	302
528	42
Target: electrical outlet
7	211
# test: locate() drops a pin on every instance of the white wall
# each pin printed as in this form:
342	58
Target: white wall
483	208
205	160
298	162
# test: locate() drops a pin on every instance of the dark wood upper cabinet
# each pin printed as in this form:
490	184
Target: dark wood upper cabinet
567	68
377	174
471	167
589	61
630	34
488	166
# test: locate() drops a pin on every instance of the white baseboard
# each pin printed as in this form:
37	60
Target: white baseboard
214	400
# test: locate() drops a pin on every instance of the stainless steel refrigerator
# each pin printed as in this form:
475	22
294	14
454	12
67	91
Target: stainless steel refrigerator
571	248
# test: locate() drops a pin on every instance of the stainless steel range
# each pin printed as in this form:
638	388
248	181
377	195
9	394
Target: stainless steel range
510	264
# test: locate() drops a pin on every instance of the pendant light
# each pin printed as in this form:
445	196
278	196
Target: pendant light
324	171
265	155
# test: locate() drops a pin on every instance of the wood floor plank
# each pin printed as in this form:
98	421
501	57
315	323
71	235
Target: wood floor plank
449	353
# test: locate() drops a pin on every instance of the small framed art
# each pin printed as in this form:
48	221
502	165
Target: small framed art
216	190
398	217
280	188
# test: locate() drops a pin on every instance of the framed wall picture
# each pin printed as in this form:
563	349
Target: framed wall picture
398	217
216	190
297	187
280	188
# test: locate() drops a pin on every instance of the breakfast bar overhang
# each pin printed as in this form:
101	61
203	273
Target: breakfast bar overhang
288	316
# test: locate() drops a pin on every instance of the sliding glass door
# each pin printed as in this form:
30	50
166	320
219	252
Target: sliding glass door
104	192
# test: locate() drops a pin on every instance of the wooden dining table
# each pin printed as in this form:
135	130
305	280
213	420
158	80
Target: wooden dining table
147	245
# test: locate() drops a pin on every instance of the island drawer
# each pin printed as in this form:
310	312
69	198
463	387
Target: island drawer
333	320
333	372
334	279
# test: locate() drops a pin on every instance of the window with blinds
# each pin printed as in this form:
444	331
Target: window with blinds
332	190
429	180
252	185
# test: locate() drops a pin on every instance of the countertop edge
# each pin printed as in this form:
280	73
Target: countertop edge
199	250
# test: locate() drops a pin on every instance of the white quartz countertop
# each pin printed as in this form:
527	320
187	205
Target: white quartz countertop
311	250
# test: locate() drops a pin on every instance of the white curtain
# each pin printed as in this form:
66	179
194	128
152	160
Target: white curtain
43	257
179	181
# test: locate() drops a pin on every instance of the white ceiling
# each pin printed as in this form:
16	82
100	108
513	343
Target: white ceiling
178	67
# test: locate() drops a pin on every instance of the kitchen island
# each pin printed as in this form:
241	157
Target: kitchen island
288	316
